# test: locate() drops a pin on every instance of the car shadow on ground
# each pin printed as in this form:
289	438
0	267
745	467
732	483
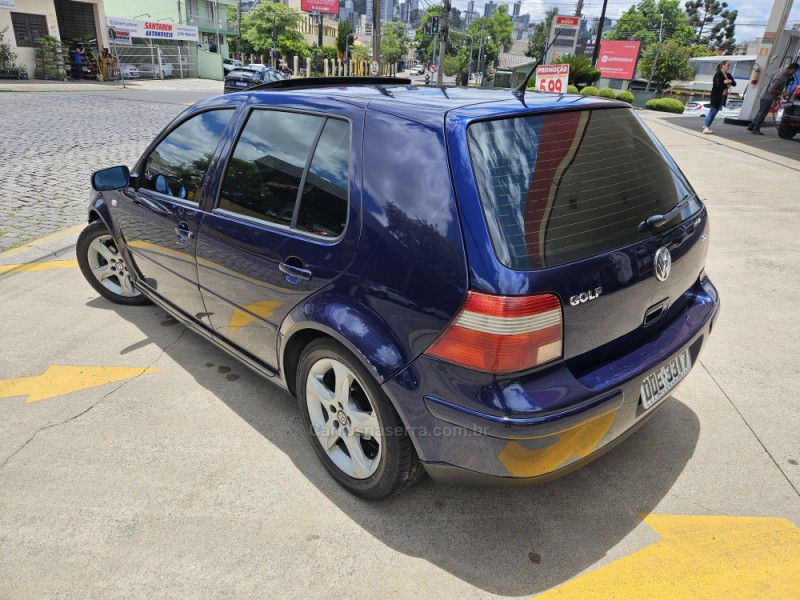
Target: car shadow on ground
518	541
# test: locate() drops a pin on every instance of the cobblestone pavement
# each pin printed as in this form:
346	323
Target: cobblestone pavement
49	146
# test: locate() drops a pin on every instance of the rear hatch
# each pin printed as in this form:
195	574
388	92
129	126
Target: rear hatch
241	79
565	199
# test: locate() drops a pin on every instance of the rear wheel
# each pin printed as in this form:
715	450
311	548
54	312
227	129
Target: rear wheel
103	266
352	425
786	132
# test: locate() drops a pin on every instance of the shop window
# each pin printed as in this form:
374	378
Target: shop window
28	28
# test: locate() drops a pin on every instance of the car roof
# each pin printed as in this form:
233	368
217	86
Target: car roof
428	105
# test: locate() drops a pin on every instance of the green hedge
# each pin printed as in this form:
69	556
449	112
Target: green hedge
625	96
607	92
669	105
571	89
590	90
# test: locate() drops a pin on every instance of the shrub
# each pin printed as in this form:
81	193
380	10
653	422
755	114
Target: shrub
589	90
571	89
625	96
607	92
669	105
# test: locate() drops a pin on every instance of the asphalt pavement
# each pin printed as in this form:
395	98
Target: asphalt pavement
138	461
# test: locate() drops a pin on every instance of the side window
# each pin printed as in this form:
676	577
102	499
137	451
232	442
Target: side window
179	163
323	206
265	171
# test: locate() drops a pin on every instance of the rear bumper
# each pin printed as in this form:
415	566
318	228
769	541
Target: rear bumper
588	415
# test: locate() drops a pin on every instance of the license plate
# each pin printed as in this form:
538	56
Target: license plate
658	384
241	83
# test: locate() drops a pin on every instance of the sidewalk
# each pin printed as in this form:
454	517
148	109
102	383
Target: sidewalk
138	85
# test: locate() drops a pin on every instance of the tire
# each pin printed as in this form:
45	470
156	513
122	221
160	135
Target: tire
785	132
352	425
103	266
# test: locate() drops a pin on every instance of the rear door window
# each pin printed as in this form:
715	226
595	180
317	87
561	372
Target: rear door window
561	187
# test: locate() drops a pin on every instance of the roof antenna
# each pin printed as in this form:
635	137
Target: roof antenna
519	91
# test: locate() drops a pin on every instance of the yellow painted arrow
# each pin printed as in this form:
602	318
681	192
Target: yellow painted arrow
577	442
263	309
58	380
700	557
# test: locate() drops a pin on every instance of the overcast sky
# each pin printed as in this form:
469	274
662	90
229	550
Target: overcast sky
750	23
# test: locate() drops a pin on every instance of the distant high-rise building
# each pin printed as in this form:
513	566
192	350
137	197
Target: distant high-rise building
488	9
368	25
517	7
468	13
387	10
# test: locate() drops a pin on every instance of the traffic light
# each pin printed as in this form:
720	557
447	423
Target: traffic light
435	25
427	29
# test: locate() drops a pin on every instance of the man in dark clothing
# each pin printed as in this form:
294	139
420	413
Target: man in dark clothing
774	90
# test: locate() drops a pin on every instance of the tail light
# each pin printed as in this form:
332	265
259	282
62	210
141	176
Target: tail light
502	334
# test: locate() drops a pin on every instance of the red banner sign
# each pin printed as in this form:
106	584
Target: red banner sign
569	21
617	60
330	7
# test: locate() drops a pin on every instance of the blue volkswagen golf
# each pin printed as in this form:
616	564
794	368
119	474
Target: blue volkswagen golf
472	284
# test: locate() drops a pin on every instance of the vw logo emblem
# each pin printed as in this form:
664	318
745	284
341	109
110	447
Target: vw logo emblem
663	263
342	417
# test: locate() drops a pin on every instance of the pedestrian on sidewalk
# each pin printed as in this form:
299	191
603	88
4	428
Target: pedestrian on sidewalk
719	92
78	60
774	90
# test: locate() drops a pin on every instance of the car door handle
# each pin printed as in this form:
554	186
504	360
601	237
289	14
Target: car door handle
294	272
183	233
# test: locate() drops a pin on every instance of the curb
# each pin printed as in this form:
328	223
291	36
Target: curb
32	245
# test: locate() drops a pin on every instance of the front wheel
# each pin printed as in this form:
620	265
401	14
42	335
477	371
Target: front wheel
352	425
103	267
786	132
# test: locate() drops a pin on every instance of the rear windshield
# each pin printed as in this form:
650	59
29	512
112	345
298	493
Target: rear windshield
561	187
243	73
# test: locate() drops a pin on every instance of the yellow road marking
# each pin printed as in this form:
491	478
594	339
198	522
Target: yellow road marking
580	442
39	266
263	309
58	380
700	557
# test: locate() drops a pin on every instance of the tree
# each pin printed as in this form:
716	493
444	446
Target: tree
540	34
643	22
393	42
673	63
7	57
345	29
581	72
257	29
712	18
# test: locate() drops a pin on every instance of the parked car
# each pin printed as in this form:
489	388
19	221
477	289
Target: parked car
229	64
697	109
243	78
151	70
518	307
731	109
129	71
417	70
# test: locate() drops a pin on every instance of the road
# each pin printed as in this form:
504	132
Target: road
138	461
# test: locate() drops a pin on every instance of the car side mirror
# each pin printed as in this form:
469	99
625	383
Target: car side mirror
112	178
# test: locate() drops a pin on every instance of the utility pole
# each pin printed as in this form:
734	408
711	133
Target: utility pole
180	14
579	8
319	31
480	56
376	30
658	53
596	52
443	46
238	27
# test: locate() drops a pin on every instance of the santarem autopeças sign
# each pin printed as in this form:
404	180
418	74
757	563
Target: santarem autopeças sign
153	30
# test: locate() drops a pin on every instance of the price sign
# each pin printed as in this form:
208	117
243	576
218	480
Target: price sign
552	78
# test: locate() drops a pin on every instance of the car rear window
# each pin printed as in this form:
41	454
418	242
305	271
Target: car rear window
561	187
243	73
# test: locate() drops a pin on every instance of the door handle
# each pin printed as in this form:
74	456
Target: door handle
184	233
294	274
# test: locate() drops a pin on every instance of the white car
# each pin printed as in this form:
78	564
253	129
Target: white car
129	71
418	70
697	109
149	70
229	64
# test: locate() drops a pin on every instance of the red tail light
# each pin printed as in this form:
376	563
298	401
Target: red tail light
503	334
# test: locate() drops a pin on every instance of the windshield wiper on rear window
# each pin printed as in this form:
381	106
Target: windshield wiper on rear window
656	222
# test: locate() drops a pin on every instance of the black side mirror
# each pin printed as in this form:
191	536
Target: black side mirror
112	178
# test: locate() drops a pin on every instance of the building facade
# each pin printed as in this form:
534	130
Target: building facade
66	22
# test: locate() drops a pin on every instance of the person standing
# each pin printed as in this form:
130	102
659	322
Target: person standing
78	60
774	90
719	91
